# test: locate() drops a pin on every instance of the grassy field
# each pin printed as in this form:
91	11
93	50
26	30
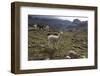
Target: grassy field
38	48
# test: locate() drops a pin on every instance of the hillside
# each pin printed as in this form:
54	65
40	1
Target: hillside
38	45
58	24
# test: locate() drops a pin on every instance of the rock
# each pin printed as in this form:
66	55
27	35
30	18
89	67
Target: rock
73	54
68	57
83	56
47	59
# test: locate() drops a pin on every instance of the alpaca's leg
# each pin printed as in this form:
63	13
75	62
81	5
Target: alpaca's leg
53	45
56	44
49	44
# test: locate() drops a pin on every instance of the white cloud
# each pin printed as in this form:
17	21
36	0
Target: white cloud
71	18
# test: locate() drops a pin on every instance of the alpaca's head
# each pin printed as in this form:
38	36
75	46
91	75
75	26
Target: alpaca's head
61	32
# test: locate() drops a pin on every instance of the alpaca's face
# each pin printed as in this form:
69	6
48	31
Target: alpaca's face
61	32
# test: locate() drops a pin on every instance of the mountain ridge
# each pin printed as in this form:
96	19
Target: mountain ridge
58	24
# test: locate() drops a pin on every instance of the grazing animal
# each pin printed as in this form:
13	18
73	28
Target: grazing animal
47	28
41	26
53	40
35	26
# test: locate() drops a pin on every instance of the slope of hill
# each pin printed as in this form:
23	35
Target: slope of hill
38	48
58	24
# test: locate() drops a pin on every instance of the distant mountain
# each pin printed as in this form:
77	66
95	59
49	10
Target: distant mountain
78	25
76	22
57	24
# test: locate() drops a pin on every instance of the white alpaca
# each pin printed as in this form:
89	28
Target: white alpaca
47	28
53	40
35	26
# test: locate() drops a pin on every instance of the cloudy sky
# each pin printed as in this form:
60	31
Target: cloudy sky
71	18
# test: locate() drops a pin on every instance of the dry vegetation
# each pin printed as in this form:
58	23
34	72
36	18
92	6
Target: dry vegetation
71	41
